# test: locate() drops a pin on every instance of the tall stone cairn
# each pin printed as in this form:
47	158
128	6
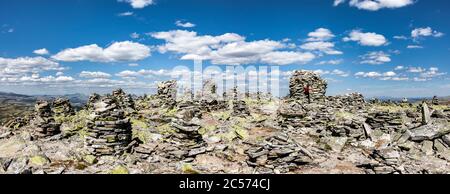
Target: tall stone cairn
93	98
240	108
167	93
435	100
298	82
109	131
62	108
125	100
210	99
44	124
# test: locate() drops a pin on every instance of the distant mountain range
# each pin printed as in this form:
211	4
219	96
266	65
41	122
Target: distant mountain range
77	100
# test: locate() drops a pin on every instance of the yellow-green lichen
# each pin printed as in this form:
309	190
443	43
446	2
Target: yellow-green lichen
119	170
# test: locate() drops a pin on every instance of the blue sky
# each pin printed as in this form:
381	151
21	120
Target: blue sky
377	47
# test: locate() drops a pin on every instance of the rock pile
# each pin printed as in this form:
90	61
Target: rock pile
62	108
210	100
125	101
93	98
278	152
291	114
18	122
240	107
184	142
302	79
387	121
44	124
435	100
109	131
353	101
167	93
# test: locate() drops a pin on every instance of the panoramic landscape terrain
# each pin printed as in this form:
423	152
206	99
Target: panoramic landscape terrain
224	87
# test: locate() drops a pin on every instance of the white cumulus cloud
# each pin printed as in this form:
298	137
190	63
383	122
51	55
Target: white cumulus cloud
97	74
375	58
375	5
366	39
180	23
138	4
42	51
118	51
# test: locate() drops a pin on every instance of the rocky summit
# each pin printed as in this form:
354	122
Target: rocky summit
306	132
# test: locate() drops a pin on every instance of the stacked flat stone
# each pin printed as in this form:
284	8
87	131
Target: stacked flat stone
62	108
298	82
44	124
109	131
18	122
291	113
348	127
125	100
349	101
387	121
278	152
210	101
93	98
167	93
240	107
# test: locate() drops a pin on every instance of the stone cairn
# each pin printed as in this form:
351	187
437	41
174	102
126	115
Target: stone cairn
435	100
44	124
298	82
62	108
294	112
167	93
240	108
92	99
109	131
353	101
291	114
210	100
278	152
18	122
125	101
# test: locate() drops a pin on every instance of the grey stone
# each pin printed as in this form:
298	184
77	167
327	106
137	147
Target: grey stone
427	147
426	116
446	139
430	132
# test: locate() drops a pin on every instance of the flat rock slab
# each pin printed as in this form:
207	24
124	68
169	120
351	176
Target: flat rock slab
11	147
430	132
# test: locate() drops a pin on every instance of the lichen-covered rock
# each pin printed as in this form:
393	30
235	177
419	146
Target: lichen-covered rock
44	124
109	131
279	151
167	93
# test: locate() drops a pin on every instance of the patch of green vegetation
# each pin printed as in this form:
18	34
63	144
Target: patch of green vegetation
222	115
38	161
440	107
139	124
119	170
188	169
240	132
230	136
143	135
171	112
344	115
90	159
259	118
165	129
393	108
207	128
